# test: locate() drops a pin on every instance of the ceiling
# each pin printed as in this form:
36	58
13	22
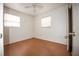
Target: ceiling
28	8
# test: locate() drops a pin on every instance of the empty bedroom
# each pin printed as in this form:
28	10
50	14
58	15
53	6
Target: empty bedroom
40	29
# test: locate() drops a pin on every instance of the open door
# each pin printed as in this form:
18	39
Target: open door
73	36
1	29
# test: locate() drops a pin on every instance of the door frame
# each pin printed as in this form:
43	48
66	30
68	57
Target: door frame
70	28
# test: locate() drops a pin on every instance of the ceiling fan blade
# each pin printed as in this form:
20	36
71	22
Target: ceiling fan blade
28	6
39	6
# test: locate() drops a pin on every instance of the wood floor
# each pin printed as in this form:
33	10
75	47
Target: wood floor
35	47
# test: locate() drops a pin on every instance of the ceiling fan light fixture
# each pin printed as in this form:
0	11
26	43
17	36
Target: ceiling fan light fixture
35	6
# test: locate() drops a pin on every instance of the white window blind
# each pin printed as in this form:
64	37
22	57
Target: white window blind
11	20
46	22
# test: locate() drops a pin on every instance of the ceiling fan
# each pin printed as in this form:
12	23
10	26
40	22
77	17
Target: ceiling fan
35	6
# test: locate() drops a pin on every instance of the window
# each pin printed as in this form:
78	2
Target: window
11	20
46	22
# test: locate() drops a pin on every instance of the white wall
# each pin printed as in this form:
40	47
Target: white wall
58	31
76	29
25	31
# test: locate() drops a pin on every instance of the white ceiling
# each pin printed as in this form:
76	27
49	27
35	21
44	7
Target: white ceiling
45	7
